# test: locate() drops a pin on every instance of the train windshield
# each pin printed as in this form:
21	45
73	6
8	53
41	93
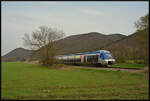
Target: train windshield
109	56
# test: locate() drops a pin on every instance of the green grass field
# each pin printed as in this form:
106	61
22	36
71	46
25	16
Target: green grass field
126	65
26	81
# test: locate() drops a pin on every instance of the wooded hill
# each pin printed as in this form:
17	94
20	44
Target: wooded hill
17	54
130	47
87	42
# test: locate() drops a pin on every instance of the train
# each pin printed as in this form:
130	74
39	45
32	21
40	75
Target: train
101	57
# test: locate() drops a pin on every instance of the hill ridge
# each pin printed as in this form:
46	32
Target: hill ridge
74	44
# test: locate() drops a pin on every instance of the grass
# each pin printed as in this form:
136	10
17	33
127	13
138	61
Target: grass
126	65
28	81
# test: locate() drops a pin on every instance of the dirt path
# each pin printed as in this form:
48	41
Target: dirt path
109	68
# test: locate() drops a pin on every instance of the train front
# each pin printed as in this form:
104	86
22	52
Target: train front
107	57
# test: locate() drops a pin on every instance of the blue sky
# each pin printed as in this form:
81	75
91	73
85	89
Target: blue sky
71	17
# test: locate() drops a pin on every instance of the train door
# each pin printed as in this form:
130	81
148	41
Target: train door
81	57
100	58
84	59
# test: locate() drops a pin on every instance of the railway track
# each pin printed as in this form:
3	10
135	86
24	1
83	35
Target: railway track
109	68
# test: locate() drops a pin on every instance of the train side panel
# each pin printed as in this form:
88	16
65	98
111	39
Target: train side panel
98	57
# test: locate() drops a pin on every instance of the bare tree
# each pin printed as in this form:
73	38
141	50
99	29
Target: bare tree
43	42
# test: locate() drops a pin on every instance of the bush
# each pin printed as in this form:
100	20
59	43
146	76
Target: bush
139	61
130	61
48	61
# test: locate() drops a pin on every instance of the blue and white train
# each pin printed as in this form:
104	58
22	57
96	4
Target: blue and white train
102	57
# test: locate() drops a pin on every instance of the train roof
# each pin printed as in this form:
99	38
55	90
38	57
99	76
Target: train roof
94	52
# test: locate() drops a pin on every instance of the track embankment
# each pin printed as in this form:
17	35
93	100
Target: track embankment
109	68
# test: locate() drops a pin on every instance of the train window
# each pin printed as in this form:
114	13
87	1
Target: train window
78	60
108	55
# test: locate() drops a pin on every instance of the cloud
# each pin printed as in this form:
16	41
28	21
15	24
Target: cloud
90	12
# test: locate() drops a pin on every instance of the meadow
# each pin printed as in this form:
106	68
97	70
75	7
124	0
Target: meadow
32	81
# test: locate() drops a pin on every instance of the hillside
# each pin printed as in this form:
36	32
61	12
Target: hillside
129	46
18	53
87	42
129	40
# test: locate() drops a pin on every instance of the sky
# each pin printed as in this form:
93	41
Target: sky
73	18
